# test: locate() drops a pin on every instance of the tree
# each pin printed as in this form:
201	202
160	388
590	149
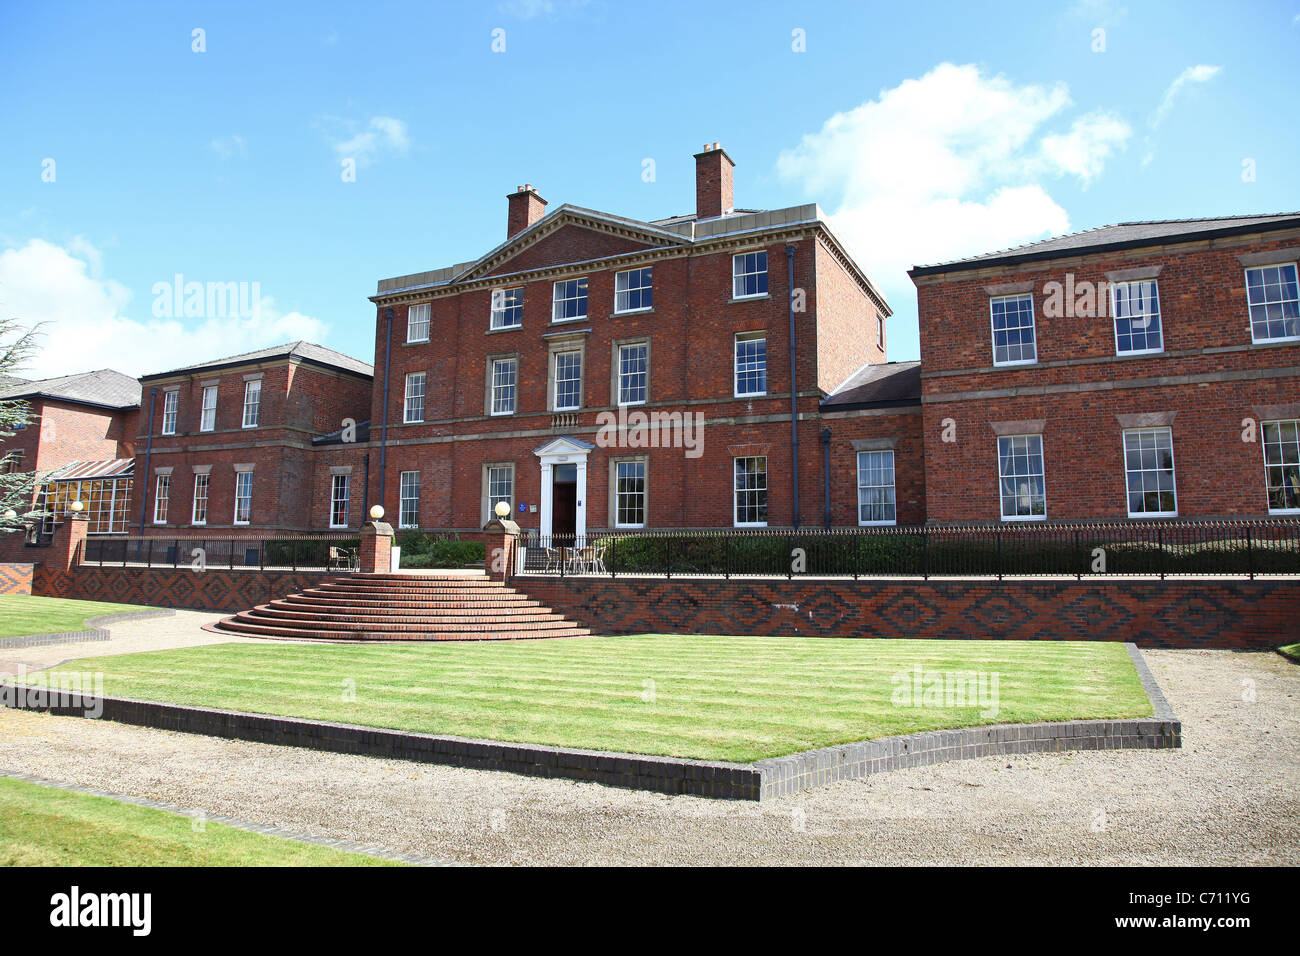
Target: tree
18	343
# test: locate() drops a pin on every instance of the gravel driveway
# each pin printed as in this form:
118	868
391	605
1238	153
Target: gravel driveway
1231	795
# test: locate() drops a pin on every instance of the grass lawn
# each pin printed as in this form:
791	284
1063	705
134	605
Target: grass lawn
729	698
22	614
49	826
1290	651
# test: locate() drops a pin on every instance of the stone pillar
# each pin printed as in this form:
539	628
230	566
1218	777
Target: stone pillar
376	547
68	543
500	548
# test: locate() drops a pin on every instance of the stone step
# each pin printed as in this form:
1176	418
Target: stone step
308	634
257	616
300	602
270	610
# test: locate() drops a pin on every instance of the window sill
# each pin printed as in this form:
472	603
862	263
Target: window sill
576	318
618	315
1022	518
762	524
416	342
750	395
1025	364
504	328
1282	340
1153	514
749	298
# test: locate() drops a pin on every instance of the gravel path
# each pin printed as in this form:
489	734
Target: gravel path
1232	795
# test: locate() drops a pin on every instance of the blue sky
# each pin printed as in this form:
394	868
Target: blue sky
927	131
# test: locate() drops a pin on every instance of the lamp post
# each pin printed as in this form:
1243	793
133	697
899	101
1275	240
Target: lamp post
502	510
376	512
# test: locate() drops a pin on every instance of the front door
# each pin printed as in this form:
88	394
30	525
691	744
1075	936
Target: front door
564	504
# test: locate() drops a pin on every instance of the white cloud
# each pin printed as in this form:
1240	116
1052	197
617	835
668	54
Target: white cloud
1201	73
1084	150
381	136
89	325
229	146
947	165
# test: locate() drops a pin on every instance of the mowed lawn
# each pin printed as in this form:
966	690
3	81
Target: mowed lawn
729	698
23	614
50	826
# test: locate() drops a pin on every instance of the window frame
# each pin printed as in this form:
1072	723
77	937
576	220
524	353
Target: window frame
493	386
407	397
993	330
204	424
252	386
642	292
494	312
736	492
171	397
1173	470
201	480
426	309
616	494
555	389
162	493
1254	339
1115	318
488	503
644	346
738	276
403	498
737	338
1041	475
892	486
239	480
335	499
556	300
1267	464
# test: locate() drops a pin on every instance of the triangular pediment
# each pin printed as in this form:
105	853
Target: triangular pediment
569	235
563	445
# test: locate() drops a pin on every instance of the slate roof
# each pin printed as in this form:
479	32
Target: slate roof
885	385
104	388
336	437
1119	236
302	349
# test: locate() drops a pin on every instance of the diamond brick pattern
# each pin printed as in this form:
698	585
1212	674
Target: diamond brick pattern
1246	615
15	579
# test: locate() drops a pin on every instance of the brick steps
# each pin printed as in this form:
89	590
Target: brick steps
388	607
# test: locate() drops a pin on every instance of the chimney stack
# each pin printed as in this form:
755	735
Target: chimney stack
526	207
714	194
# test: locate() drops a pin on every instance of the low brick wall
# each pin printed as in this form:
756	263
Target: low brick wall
215	589
1242	615
16	578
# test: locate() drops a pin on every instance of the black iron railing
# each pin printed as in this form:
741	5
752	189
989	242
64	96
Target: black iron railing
307	552
1143	548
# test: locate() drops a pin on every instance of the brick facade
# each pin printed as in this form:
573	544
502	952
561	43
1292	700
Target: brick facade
1211	385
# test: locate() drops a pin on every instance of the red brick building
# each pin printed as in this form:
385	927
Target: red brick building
595	371
78	443
226	446
1136	370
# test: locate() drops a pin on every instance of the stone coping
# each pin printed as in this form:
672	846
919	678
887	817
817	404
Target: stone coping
761	780
98	630
202	816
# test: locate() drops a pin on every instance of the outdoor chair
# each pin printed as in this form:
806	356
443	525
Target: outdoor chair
342	559
554	556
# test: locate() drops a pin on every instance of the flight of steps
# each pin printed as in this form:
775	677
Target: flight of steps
404	607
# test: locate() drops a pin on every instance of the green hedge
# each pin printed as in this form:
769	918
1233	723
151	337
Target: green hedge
938	554
423	550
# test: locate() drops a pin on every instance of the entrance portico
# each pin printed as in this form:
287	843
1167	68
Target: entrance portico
564	486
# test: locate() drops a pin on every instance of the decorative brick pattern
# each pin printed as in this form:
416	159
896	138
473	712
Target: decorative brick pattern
210	590
16	578
1242	615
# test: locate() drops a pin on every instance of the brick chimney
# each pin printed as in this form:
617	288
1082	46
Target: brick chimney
714	194
526	207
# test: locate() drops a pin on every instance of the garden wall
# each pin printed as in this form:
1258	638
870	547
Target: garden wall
16	578
1241	615
215	589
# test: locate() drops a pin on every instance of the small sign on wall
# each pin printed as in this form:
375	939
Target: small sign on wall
523	507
